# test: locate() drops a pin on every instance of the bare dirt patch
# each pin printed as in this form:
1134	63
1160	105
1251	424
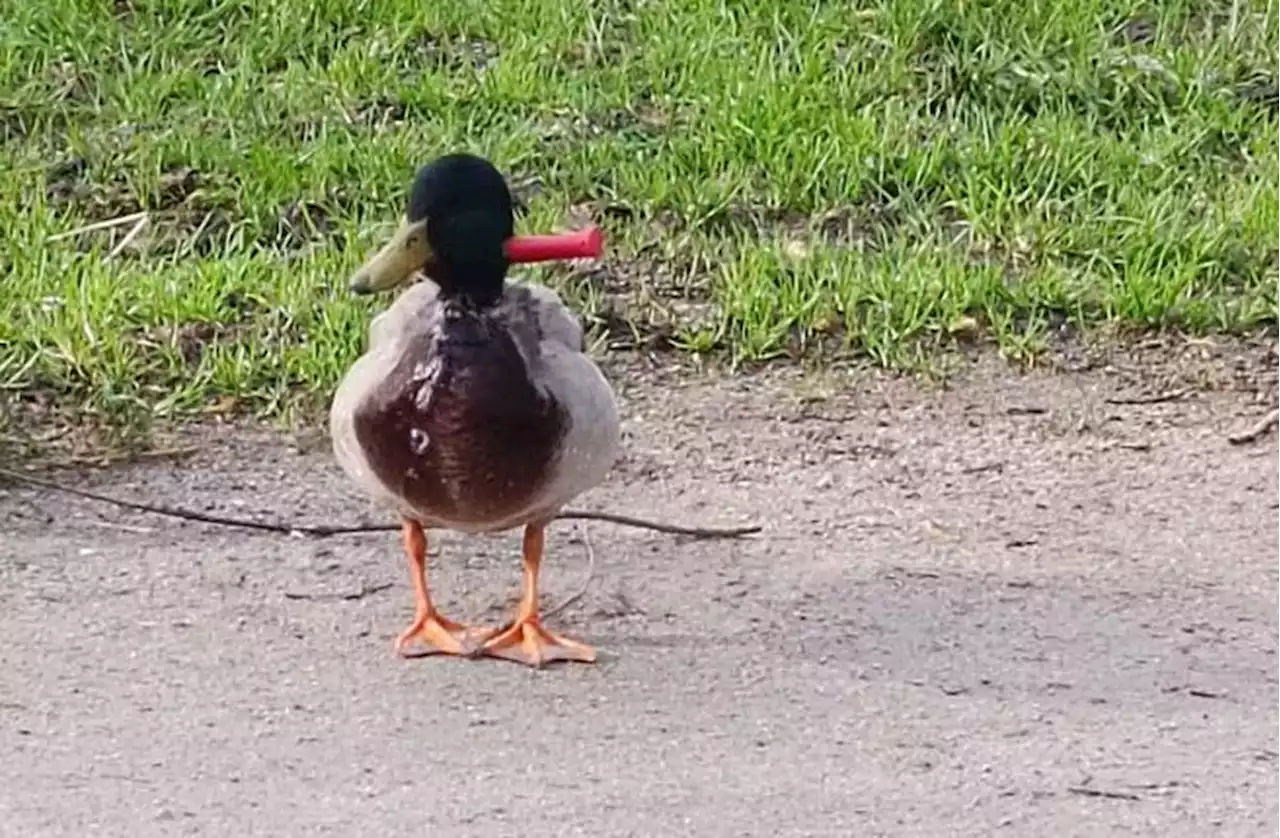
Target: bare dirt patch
188	212
452	53
1037	603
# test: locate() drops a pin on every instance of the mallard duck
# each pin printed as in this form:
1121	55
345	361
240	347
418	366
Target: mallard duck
475	407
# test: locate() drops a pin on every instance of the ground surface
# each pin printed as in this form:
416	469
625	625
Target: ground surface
1015	606
1012	605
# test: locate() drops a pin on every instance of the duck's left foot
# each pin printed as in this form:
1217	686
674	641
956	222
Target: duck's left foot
527	641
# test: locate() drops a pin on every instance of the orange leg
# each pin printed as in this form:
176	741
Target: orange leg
429	626
525	640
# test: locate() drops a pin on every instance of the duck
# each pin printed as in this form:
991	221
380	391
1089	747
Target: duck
475	406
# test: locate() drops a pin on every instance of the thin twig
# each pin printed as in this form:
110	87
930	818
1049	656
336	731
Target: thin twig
129	237
669	529
1255	431
1110	795
189	245
365	590
1133	445
1155	398
321	531
586	580
119	221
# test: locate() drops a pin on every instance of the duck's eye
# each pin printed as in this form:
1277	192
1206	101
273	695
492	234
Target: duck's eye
411	242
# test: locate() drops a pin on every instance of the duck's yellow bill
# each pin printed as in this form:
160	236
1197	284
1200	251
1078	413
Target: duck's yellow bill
406	253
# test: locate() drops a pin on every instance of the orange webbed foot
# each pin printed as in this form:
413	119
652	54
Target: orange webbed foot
527	641
441	635
429	627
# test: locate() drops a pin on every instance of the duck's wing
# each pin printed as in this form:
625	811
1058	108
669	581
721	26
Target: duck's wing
555	322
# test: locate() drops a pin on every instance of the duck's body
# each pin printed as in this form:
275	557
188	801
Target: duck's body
475	407
475	421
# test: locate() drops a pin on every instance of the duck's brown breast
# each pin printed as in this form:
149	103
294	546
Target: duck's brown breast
457	429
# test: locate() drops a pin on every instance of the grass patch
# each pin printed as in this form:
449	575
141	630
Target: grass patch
778	178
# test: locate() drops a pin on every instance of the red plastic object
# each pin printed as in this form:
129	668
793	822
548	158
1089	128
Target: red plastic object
580	244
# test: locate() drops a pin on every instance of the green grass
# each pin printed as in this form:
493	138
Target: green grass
778	177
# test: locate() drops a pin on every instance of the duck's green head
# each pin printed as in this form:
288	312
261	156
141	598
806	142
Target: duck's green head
455	229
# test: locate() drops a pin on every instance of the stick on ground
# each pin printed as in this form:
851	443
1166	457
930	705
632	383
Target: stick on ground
327	531
129	237
1255	431
120	221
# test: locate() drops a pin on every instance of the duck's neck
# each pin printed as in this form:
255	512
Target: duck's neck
481	286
